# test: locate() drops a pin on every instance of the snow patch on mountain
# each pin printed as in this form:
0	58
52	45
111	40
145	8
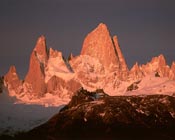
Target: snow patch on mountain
56	66
154	85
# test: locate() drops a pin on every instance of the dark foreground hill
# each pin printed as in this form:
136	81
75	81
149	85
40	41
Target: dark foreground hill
99	116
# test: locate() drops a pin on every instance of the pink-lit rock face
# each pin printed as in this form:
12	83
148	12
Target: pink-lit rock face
54	53
12	80
173	67
57	86
172	71
41	49
101	65
157	64
136	72
56	60
98	44
36	76
123	68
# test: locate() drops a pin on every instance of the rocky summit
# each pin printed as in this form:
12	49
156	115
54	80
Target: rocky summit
100	65
95	115
100	45
12	81
35	77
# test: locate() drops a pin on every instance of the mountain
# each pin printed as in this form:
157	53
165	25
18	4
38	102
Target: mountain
12	81
35	77
103	98
100	45
172	71
100	65
95	115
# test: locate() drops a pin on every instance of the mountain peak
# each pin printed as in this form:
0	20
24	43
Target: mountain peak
41	39
122	63
102	29
102	26
173	68
159	59
101	65
41	49
54	53
99	45
162	59
12	80
38	61
173	65
12	69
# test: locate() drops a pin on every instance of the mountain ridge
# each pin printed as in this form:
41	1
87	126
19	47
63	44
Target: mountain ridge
100	65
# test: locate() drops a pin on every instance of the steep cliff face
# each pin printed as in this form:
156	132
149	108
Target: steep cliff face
101	65
12	81
88	71
55	85
136	72
173	66
123	68
172	71
98	44
101	62
61	88
35	77
157	64
41	50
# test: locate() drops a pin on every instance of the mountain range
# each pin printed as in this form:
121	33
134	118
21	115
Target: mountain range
100	65
98	96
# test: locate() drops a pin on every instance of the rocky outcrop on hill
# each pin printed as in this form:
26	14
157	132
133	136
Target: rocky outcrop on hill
94	115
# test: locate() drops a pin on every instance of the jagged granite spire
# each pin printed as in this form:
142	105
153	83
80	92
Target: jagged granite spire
36	75
12	80
122	63
98	44
41	49
172	71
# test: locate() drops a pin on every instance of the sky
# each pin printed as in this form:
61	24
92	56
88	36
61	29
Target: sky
145	28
